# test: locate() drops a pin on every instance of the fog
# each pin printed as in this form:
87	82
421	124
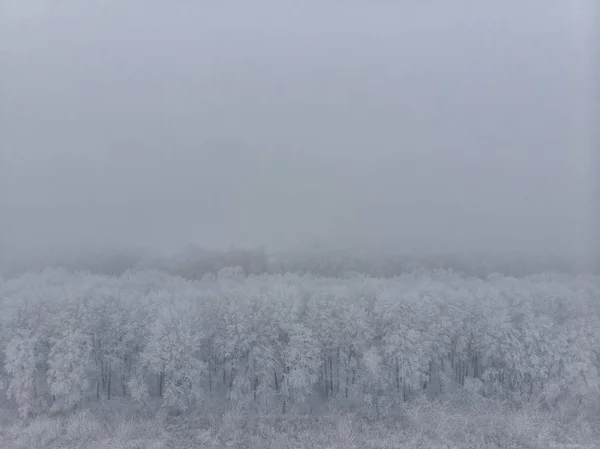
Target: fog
418	126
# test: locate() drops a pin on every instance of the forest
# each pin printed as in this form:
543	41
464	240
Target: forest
298	344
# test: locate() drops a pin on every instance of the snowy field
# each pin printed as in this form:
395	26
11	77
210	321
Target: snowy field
430	359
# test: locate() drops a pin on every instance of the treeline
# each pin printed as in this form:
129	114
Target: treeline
276	343
193	262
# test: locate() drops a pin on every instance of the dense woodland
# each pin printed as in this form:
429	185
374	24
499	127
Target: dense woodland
296	342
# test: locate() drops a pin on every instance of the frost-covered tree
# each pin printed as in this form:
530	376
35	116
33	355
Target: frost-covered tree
269	342
69	368
301	359
21	360
173	353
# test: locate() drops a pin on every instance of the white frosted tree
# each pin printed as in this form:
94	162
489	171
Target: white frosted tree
301	360
173	353
70	364
21	360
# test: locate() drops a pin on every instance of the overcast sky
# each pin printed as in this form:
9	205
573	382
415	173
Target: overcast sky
423	126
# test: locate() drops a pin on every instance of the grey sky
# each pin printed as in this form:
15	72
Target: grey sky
426	126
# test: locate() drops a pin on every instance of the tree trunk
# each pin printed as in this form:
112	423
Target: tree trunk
103	373
108	382
440	380
428	376
231	382
161	382
326	381
397	377
337	370
321	375
455	374
210	378
331	374
124	376
347	373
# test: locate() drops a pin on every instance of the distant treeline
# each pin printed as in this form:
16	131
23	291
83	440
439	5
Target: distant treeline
194	262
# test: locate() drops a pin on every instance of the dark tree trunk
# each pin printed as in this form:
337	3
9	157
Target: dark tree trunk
331	374
462	366
427	377
231	382
161	383
124	376
442	369
210	378
347	374
397	377
108	382
103	373
326	380
337	370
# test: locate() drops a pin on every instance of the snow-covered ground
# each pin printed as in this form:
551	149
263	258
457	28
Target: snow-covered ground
422	425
